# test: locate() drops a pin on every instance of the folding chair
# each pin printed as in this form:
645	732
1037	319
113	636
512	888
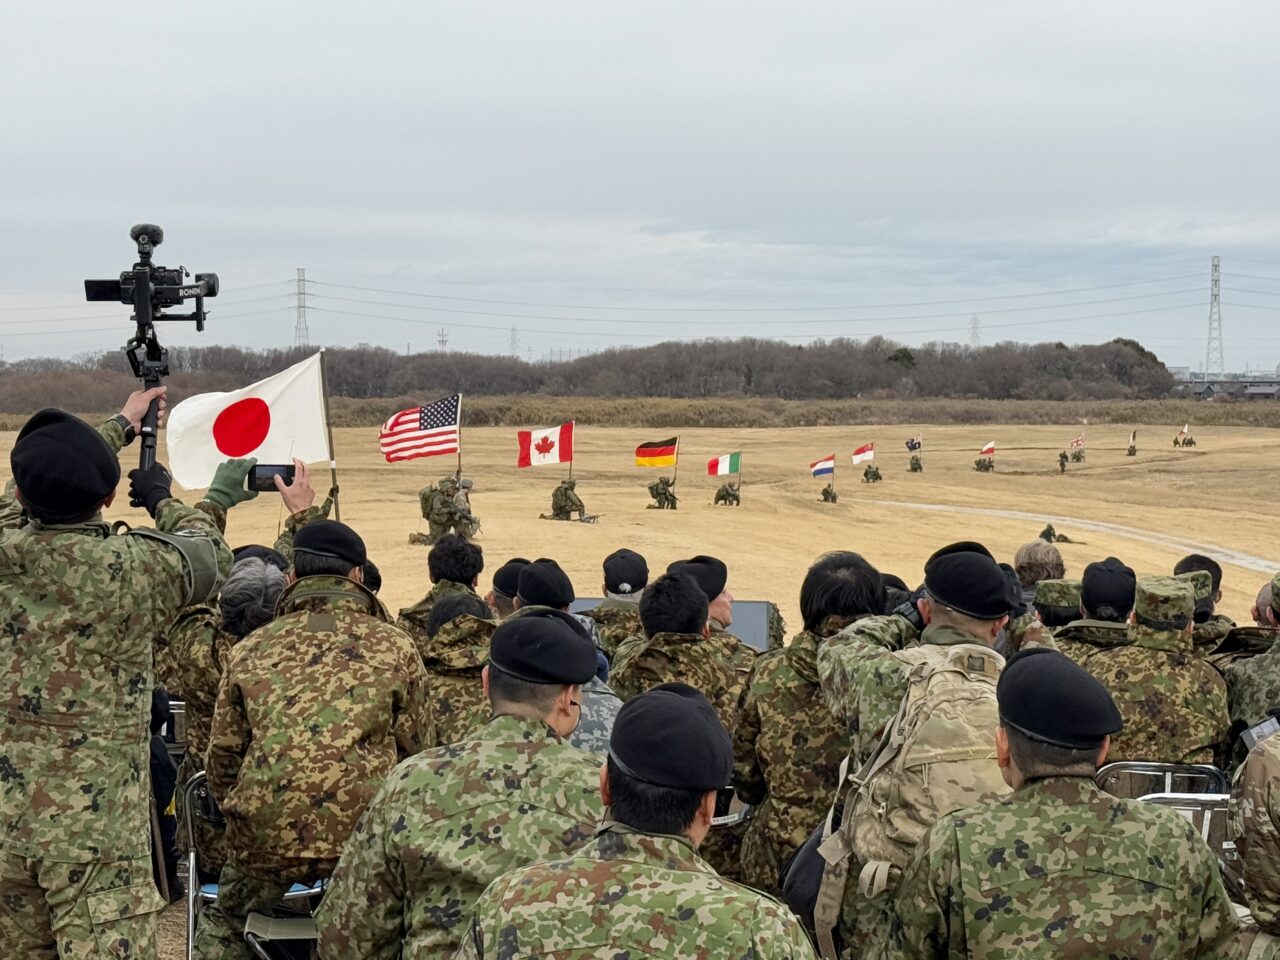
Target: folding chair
1209	814
1135	779
200	805
175	734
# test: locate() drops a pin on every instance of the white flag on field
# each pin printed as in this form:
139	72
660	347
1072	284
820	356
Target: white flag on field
274	420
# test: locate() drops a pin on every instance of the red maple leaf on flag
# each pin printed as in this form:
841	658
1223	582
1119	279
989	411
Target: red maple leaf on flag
544	445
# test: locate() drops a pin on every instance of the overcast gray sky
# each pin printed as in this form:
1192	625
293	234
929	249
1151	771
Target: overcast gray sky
792	170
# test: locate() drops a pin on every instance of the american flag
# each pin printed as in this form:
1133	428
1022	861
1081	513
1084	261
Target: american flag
426	431
1078	441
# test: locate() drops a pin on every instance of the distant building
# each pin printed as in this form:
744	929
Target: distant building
1232	388
1180	373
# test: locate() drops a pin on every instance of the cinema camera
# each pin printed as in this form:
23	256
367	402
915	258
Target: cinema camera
151	288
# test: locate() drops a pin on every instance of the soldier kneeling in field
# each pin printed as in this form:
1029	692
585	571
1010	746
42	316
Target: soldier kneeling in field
728	495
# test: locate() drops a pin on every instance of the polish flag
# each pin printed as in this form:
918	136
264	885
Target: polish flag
989	450
275	420
865	452
552	445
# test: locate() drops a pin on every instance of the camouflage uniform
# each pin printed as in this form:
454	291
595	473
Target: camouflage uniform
446	824
728	495
1253	684
1214	630
565	502
1062	462
829	494
616	620
436	506
315	708
629	894
1058	598
1081	638
1255	825
454	659
79	611
413	620
916	465
787	751
1174	705
1061	869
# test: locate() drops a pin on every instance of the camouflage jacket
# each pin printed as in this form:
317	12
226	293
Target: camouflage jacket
600	706
1174	704
413	620
713	665
863	684
314	709
80	610
1080	638
447	823
787	751
1255	826
202	649
566	501
630	894
1206	636
617	620
454	659
1060	869
1253	689
1241	644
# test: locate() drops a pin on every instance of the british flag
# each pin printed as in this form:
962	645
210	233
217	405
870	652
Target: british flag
1078	441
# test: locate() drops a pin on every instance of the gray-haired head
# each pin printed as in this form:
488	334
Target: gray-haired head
248	598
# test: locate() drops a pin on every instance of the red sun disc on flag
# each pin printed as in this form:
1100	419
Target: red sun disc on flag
241	427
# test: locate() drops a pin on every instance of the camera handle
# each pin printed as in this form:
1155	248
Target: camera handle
149	360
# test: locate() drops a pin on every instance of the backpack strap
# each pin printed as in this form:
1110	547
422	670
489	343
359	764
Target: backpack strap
836	852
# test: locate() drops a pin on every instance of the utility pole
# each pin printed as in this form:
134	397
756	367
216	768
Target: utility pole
301	338
513	342
975	333
1213	355
442	338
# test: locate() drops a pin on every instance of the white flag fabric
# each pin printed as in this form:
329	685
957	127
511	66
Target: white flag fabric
274	420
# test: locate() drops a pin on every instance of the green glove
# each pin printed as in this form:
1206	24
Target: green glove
229	479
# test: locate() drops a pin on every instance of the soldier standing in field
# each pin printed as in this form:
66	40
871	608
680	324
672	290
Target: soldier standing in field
1062	462
1058	868
79	610
314	710
642	877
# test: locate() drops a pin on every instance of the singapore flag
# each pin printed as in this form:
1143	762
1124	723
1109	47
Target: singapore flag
274	420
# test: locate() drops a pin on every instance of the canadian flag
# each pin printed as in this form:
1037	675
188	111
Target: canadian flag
989	450
274	420
865	452
552	445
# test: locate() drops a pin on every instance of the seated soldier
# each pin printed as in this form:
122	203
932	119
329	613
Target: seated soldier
1173	703
313	710
1211	626
626	574
1255	823
454	565
640	888
1253	682
1058	868
506	583
454	655
451	820
1106	600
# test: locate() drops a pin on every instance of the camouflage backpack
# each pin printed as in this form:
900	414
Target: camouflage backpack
655	489
937	755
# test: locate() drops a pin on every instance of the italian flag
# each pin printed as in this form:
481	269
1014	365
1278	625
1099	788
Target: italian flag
729	463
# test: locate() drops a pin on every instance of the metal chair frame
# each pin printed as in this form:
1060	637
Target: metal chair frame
1215	780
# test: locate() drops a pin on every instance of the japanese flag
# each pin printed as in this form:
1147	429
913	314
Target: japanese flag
539	447
274	420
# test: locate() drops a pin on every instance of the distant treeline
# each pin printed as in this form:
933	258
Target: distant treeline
835	370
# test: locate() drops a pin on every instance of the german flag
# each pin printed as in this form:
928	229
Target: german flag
658	453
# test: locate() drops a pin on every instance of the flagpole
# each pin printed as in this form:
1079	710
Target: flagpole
739	478
328	425
459	439
675	467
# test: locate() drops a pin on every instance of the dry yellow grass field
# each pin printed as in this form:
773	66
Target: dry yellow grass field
1219	495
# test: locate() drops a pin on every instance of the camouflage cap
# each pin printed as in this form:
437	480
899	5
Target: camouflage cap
466	483
1166	603
1058	593
1201	581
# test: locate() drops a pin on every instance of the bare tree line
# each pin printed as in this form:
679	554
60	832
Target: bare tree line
838	369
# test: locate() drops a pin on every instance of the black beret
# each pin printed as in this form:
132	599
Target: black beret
961	546
710	573
273	557
546	646
506	579
544	584
972	584
329	538
625	571
671	737
1047	696
62	466
1108	583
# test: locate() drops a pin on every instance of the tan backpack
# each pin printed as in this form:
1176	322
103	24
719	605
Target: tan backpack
937	755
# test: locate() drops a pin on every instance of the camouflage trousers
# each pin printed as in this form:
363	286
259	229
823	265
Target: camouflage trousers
77	911
220	931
